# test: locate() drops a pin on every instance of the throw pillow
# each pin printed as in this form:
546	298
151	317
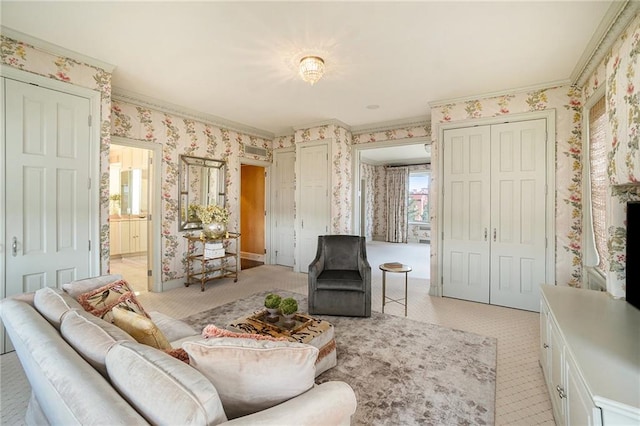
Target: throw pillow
140	328
91	337
77	287
102	300
253	375
164	390
53	303
213	331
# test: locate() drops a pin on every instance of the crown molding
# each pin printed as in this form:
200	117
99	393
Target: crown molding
55	49
123	95
618	16
391	125
330	122
533	88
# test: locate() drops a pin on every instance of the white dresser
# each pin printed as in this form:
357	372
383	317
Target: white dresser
590	357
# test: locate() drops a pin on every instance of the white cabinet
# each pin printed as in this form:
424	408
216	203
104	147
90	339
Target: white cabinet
128	236
589	350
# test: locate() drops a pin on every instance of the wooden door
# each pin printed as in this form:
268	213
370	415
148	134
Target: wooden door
466	218
518	175
47	187
313	206
284	207
252	211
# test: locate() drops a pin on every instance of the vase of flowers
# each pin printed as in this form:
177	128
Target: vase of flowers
272	303
289	307
214	219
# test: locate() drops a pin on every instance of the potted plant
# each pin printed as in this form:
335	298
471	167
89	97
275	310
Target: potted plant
272	303
289	307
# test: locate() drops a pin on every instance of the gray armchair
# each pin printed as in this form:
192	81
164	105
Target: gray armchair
340	277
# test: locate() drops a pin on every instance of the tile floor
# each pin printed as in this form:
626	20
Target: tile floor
521	396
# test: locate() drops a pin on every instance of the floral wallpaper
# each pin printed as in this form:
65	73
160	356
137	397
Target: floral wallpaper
620	74
178	136
368	174
28	58
567	102
393	134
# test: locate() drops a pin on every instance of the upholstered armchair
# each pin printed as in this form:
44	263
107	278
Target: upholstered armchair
340	277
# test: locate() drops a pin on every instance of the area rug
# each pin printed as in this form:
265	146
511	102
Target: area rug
403	372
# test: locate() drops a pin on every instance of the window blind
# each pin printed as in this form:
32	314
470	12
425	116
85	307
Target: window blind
598	178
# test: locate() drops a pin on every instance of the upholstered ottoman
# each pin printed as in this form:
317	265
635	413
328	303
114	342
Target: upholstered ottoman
309	330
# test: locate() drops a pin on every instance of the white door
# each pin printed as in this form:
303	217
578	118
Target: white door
47	187
284	207
313	208
494	224
466	187
518	172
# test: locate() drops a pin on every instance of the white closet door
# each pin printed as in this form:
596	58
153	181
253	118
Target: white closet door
284	207
518	176
466	220
47	175
313	208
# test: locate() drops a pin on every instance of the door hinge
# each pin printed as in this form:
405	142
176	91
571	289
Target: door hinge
149	274
265	213
89	183
149	218
89	245
265	251
89	120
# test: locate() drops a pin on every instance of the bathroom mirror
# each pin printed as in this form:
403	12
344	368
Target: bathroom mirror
202	181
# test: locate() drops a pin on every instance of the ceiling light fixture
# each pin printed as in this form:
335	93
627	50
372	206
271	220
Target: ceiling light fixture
311	69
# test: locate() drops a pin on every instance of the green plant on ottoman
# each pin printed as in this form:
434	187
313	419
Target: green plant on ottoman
272	303
289	307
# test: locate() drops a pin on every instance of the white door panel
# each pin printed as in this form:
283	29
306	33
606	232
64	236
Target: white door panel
47	160
284	220
518	221
466	214
314	202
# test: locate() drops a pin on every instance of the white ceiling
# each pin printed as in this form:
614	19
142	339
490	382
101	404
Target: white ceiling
237	60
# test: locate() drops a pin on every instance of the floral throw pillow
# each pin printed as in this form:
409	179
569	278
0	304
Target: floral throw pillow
101	301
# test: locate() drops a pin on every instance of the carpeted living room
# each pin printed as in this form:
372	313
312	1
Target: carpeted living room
320	212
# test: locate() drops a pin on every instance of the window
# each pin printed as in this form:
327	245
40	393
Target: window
598	183
418	202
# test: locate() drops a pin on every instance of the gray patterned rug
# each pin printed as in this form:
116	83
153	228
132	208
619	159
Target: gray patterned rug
403	372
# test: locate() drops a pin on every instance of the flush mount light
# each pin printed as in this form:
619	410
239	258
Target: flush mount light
311	69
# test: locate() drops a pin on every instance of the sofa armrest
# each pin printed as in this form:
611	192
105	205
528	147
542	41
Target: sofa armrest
331	403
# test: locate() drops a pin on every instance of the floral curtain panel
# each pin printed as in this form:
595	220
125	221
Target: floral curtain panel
397	186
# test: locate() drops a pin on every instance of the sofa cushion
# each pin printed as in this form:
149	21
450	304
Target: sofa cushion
140	328
91	337
102	300
340	279
77	287
253	375
172	328
161	388
53	303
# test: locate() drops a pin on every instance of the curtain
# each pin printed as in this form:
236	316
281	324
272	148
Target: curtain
397	181
599	180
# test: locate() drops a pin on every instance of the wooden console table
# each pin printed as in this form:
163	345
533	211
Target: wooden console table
201	269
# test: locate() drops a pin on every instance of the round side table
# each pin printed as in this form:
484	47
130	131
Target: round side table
398	268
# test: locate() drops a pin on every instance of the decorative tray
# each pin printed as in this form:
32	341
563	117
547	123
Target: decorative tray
301	321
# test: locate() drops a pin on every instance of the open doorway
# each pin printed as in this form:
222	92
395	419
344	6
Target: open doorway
373	163
131	208
252	216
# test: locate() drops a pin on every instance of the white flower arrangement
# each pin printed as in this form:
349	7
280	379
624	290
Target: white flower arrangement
210	214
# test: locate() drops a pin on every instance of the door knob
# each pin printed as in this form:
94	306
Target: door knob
14	246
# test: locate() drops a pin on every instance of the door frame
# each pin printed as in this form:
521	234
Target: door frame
550	188
356	150
94	159
267	202
155	233
270	258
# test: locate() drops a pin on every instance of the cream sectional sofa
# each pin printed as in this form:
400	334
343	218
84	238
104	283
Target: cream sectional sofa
83	370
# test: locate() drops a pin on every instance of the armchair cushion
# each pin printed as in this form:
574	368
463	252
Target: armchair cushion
340	279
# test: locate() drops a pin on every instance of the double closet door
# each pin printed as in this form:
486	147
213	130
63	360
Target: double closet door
494	224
